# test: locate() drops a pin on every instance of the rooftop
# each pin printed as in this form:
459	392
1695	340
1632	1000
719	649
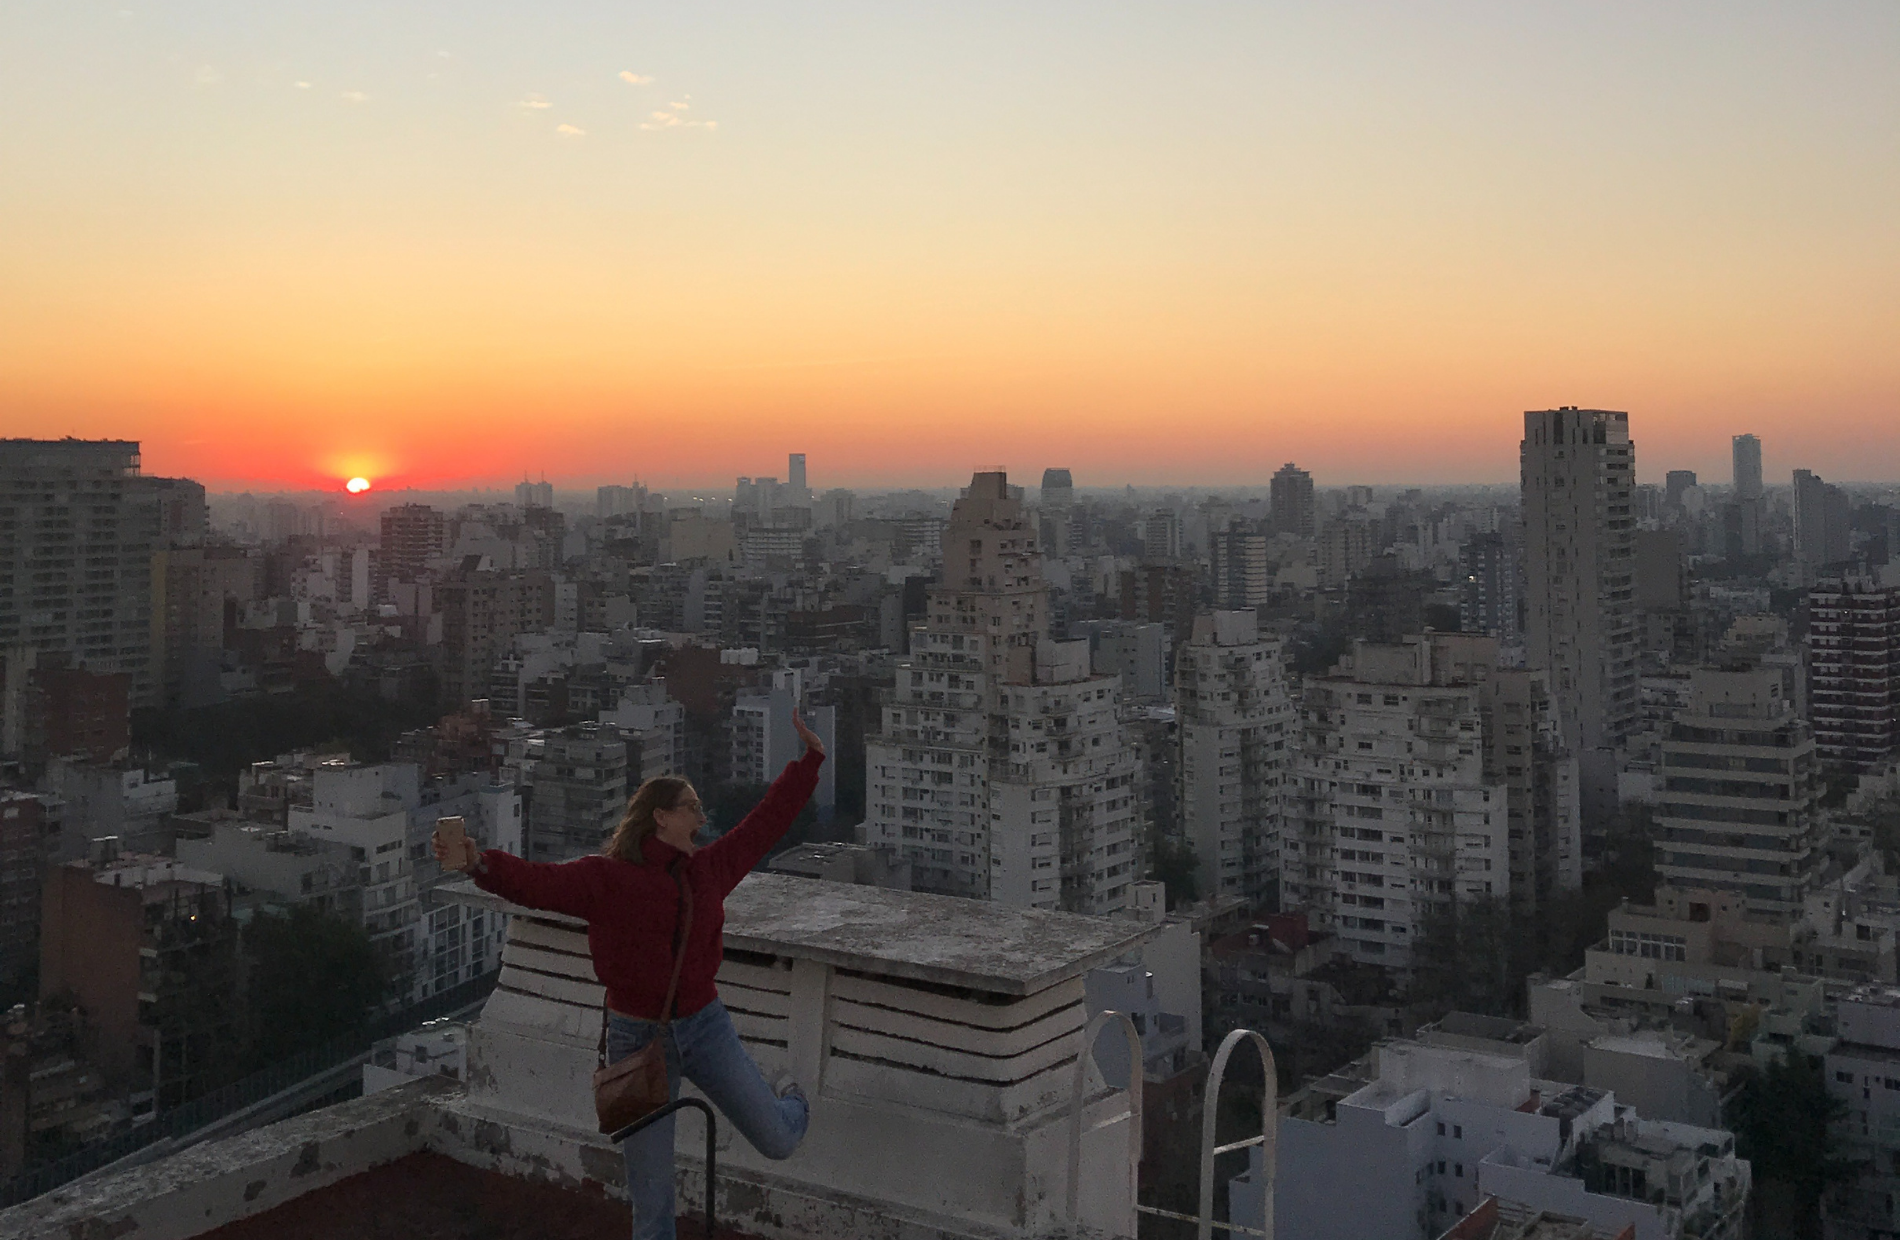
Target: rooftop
942	940
939	1040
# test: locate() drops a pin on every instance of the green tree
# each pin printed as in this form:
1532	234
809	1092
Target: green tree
1176	865
1782	1124
313	977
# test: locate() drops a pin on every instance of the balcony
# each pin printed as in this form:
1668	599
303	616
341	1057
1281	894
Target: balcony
936	1037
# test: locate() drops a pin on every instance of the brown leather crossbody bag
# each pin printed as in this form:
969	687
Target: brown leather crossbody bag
630	1089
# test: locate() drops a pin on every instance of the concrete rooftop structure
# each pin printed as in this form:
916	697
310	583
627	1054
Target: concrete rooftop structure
937	1038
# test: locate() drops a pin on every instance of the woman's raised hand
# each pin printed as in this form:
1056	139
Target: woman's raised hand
812	743
455	854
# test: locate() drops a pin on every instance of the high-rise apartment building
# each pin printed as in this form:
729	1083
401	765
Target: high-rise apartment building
534	494
482	614
1488	594
1243	575
1391	815
1854	672
1747	453
1236	728
580	792
1291	501
1739	803
1001	770
795	478
1525	750
763	739
367	808
1823	522
1161	535
1677	484
78	527
1057	503
413	534
654	728
1579	470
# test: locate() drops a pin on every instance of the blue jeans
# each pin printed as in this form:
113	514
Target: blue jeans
705	1048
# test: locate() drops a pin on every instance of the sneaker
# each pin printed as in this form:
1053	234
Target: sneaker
785	1085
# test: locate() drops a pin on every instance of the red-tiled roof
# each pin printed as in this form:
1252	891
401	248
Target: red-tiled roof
428	1196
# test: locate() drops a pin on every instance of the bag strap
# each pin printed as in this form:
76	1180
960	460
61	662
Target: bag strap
682	930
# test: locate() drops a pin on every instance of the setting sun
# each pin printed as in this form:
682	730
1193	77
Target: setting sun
356	486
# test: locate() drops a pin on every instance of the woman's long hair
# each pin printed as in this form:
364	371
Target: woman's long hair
660	792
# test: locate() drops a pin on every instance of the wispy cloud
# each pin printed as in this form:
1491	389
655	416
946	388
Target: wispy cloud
535	101
570	131
634	79
303	86
670	118
355	96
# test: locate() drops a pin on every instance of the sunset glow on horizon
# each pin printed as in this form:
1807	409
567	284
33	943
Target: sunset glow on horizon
309	245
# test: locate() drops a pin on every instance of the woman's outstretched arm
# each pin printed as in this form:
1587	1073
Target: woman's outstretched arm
730	857
567	887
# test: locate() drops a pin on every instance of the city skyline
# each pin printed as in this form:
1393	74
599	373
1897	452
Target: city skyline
287	249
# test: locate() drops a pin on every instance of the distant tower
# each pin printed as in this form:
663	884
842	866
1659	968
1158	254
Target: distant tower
1747	467
1579	472
1292	501
795	472
1676	484
1823	521
1058	502
413	534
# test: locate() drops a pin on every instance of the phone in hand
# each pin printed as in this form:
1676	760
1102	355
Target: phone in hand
453	832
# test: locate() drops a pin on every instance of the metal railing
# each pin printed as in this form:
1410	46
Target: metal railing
712	1146
181	1121
1204	1220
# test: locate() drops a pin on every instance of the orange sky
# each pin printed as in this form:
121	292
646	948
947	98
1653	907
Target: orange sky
285	246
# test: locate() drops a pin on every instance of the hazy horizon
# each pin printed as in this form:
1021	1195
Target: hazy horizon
287	245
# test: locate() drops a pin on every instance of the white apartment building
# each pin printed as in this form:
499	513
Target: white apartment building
1062	806
1390	814
1863	1075
1579	476
1739	805
654	727
1408	1141
763	739
1237	730
384	815
367	809
1001	770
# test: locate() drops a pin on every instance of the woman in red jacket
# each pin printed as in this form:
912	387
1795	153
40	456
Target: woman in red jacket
629	899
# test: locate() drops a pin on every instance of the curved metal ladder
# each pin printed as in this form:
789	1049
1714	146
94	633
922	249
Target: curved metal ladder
1269	1105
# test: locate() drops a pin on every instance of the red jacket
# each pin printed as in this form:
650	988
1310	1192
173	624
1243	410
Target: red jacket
631	909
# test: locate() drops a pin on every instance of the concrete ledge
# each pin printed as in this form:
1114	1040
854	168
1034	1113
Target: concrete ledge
189	1193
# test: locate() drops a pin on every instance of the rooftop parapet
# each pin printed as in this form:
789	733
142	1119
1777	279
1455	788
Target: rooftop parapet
936	1037
930	1032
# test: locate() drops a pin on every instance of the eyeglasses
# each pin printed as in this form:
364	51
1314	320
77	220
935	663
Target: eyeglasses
689	807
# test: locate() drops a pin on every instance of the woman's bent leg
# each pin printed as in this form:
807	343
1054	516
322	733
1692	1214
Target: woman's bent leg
713	1058
649	1152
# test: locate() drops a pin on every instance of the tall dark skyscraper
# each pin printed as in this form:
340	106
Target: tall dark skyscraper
1747	451
1292	501
1579	472
1675	483
78	526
